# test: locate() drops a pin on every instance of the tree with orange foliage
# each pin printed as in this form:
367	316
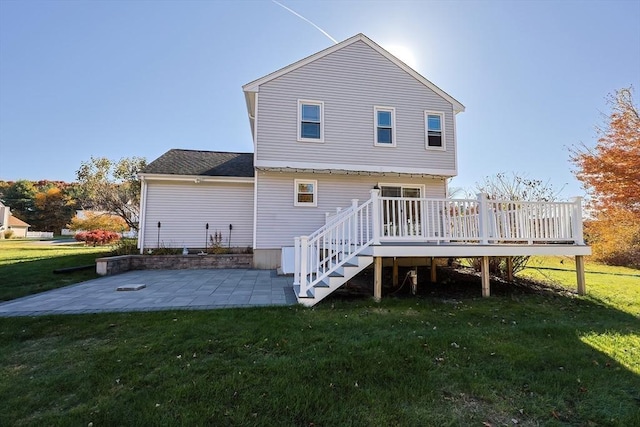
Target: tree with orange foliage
610	172
53	210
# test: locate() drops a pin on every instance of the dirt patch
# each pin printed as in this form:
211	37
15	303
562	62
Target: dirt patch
452	284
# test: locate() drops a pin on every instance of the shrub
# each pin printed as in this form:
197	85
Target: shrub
97	237
614	236
126	247
8	234
99	221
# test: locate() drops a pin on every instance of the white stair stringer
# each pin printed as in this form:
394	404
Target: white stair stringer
336	279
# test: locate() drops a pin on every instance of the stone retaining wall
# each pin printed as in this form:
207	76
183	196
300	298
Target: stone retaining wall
119	264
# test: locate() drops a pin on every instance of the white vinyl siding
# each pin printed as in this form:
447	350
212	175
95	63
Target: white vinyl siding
351	82
183	209
278	221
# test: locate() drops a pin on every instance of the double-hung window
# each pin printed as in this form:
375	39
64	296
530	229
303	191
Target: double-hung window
385	126
310	121
434	123
306	192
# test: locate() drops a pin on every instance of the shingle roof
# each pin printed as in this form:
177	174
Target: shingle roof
17	222
204	163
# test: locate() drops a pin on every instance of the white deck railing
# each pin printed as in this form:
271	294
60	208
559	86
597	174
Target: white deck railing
478	220
333	245
422	220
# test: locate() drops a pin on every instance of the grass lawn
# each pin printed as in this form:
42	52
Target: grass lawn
26	266
518	358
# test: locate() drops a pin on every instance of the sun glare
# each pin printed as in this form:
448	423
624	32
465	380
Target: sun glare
403	53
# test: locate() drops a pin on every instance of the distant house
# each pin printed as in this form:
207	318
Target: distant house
351	157
10	222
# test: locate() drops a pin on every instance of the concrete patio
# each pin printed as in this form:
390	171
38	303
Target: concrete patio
164	290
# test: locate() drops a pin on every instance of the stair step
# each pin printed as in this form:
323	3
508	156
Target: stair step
296	290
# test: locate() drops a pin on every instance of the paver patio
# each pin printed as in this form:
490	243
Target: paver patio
165	290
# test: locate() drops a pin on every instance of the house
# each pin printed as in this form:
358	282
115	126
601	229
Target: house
9	222
352	153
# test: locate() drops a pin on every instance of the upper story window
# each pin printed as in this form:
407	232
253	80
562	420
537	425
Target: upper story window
385	126
306	193
434	129
310	121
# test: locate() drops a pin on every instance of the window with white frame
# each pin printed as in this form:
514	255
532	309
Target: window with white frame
306	192
385	129
310	121
434	123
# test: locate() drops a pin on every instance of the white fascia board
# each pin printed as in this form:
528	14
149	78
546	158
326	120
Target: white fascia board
471	250
195	178
254	86
272	164
251	101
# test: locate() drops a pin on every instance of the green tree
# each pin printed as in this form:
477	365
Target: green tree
112	186
20	197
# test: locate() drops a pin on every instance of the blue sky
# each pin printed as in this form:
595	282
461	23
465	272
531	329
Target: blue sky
136	78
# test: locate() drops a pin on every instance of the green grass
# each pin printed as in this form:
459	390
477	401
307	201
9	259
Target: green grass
531	358
26	267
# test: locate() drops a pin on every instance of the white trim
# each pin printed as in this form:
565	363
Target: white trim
475	250
254	86
313	182
428	113
320	104
391	110
455	143
254	130
255	211
196	179
311	166
143	215
421	187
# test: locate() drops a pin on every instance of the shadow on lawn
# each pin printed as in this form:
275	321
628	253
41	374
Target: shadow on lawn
580	346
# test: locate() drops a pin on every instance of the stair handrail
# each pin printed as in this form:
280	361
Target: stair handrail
332	245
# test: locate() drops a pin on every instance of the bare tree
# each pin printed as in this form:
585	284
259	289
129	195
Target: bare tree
112	186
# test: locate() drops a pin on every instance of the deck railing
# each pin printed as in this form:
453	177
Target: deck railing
413	220
333	245
478	220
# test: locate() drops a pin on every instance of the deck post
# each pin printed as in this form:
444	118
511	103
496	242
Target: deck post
304	265
375	215
576	223
377	278
483	218
395	272
484	272
354	225
296	258
582	288
433	270
510	269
